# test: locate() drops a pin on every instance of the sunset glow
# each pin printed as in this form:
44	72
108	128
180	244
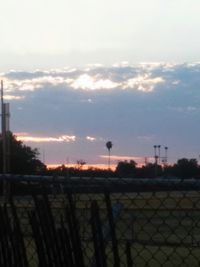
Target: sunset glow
84	167
34	139
139	160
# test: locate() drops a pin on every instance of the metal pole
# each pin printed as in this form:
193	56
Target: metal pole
5	142
3	129
109	159
155	152
156	159
159	146
166	148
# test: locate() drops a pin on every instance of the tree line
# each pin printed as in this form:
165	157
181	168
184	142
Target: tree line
183	168
22	158
25	160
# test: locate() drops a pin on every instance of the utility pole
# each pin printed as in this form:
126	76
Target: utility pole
3	130
5	115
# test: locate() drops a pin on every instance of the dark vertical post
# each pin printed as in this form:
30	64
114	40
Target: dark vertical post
159	146
128	255
5	142
109	159
7	132
112	231
74	232
156	159
3	129
166	148
98	238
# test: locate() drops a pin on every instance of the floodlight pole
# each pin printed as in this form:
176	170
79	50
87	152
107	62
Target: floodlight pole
166	148
159	146
156	159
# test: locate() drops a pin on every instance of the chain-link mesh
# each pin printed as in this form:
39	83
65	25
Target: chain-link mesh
100	222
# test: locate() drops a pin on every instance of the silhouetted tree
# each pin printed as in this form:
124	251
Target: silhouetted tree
126	169
186	168
74	171
80	163
148	171
23	159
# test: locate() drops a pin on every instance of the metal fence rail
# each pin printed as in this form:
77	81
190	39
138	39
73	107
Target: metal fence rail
57	221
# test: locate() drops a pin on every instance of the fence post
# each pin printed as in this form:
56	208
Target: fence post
112	231
98	240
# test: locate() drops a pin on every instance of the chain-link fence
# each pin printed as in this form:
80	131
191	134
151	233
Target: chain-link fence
100	222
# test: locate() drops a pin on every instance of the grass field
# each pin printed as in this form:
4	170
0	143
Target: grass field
163	228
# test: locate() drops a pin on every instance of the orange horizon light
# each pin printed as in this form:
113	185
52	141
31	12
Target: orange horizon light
84	167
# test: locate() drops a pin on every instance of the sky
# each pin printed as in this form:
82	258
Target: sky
80	73
70	114
58	33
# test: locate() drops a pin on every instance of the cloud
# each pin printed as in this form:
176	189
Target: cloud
91	138
87	82
116	157
132	105
192	109
13	97
89	100
138	159
122	76
154	66
144	83
175	82
36	83
35	139
146	138
185	109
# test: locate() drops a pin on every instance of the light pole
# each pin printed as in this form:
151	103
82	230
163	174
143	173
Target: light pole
159	146
156	158
166	149
155	154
